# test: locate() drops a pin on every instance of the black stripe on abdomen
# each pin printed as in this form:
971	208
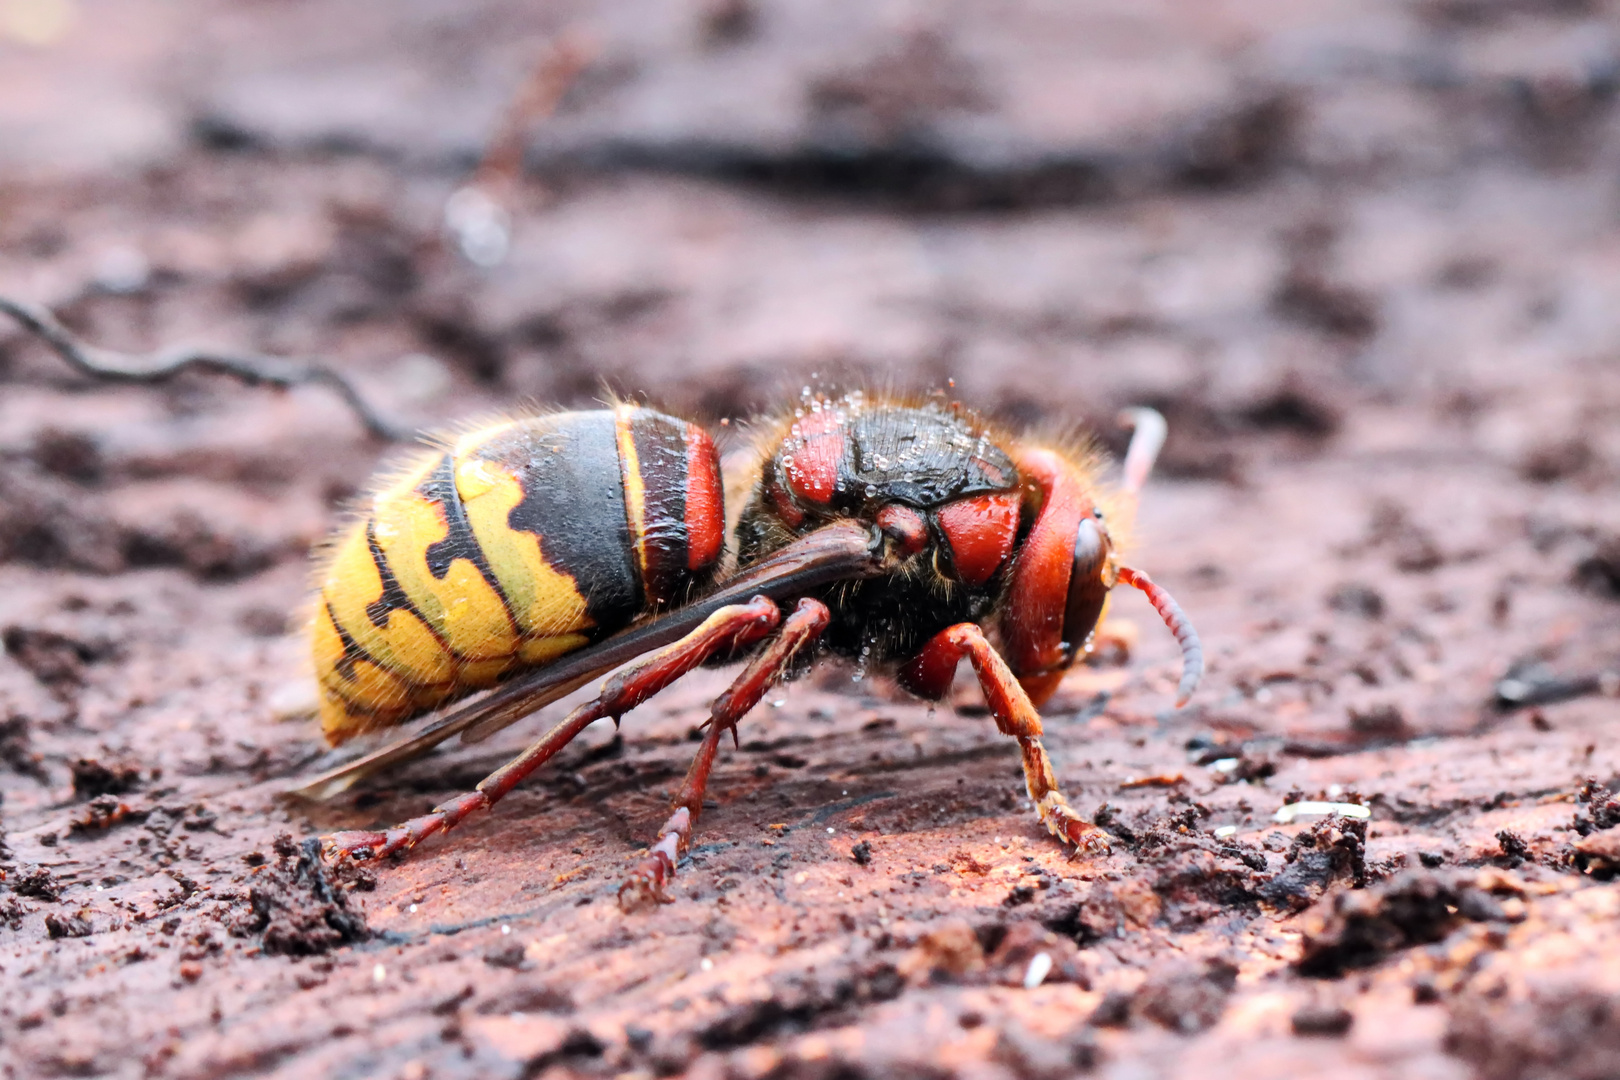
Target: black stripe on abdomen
662	460
459	541
393	597
573	500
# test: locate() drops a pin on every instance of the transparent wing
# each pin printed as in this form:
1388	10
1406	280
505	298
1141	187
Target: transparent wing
841	551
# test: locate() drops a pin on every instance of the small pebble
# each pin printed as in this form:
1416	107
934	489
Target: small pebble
1040	966
1290	811
1329	1020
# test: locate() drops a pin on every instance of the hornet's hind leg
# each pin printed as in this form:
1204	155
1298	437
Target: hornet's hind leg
648	881
726	629
929	675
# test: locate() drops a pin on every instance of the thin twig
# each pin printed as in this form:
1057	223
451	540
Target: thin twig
478	214
165	364
565	58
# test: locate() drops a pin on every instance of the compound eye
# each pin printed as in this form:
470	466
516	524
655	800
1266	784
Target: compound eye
1087	592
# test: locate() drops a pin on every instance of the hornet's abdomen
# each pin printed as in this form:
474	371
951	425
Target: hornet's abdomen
520	542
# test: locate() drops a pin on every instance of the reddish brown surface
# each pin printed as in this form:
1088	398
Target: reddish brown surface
1364	257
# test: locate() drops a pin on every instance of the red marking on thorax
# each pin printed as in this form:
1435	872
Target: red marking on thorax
814	472
705	503
1032	628
786	508
981	531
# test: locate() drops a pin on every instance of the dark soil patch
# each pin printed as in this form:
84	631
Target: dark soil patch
294	910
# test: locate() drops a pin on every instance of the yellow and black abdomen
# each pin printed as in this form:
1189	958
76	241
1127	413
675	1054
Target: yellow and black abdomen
518	543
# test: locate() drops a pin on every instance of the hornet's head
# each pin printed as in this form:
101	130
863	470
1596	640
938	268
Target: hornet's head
1020	527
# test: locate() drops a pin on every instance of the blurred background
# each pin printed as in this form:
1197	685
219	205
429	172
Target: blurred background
1253	213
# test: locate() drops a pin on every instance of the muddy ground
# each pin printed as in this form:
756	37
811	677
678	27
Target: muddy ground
1364	256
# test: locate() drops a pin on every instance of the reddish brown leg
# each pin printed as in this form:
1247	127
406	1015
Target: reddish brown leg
727	628
648	881
929	675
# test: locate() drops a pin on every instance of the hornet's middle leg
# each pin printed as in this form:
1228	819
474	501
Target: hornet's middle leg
648	881
929	675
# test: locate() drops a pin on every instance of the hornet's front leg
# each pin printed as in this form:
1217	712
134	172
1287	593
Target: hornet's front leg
929	675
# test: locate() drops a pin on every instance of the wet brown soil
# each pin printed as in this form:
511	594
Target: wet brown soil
1362	256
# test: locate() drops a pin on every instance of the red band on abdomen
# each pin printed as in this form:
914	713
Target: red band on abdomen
705	502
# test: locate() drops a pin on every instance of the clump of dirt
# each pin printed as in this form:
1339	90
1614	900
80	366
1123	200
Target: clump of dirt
577	1046
1013	958
71	455
1331	1021
1599	572
1296	406
294	909
1215	440
1599	853
511	955
104	812
59	925
526	997
1391	531
1356	929
53	523
1311	296
17	751
57	660
948	952
210	552
1514	848
900	92
1567	1032
994	953
1357	598
1558	459
1183	997
1034	1057
1195	875
1379	725
44	524
1601	809
1331	850
798	1000
38	883
92	778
